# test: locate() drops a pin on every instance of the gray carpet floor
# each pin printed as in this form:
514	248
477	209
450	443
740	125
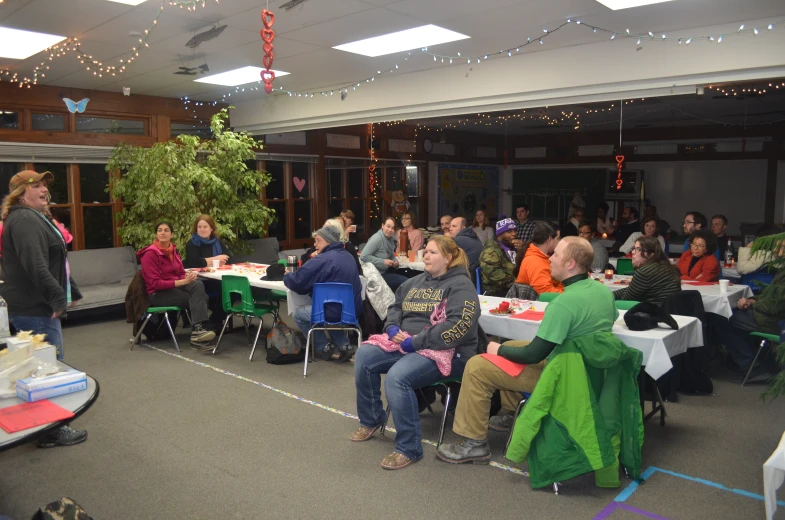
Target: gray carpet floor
223	437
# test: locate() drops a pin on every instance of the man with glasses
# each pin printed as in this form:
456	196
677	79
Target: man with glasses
693	221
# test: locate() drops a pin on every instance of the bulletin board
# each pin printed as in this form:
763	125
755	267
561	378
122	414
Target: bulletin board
465	188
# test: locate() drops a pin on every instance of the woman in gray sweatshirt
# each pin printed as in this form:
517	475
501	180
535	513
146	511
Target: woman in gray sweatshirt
380	251
431	332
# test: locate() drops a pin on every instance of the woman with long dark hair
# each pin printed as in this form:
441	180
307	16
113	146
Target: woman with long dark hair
655	278
533	267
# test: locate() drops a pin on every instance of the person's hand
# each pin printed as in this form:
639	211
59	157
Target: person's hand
750	244
389	263
395	264
493	347
398	338
314	254
222	258
745	303
73	303
57	314
517	244
190	277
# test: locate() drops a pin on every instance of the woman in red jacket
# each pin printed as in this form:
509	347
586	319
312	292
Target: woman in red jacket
168	284
699	262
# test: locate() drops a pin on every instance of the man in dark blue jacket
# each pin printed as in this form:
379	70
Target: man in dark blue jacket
331	264
467	240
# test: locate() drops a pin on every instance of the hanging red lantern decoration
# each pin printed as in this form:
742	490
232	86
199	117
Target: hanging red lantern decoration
268	35
619	164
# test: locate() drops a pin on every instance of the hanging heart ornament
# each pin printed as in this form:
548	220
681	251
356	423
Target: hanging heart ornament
268	35
267	60
267	77
619	163
268	18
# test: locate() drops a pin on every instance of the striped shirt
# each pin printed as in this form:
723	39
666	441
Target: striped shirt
652	282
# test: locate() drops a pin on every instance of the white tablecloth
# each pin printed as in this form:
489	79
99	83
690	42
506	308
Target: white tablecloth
773	476
713	300
405	263
255	271
657	345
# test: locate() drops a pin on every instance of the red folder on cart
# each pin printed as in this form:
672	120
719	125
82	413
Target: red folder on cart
29	415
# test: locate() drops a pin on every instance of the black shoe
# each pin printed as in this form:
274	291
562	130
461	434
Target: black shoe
346	354
327	353
200	334
63	436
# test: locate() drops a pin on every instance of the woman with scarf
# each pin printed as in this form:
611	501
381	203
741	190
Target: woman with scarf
205	245
168	284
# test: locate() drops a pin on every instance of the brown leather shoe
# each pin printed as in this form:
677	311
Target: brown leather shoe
396	460
363	433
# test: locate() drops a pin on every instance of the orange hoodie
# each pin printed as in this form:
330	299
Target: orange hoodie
536	271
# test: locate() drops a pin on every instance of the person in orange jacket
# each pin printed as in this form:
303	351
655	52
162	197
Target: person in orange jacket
534	266
699	262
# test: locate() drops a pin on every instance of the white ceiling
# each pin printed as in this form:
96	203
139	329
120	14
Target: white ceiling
305	35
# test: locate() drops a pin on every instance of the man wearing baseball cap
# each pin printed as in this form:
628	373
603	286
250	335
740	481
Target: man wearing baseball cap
497	260
35	272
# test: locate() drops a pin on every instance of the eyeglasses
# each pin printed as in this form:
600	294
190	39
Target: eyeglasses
405	218
698	246
689	222
584	232
637	250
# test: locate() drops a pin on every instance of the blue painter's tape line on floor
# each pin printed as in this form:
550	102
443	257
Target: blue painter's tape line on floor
632	486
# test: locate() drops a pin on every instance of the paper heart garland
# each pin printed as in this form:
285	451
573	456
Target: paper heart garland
267	60
268	18
268	48
268	35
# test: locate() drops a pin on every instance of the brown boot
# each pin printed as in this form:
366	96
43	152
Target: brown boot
396	460
363	433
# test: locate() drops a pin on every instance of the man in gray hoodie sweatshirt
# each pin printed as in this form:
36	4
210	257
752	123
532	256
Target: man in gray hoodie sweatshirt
467	240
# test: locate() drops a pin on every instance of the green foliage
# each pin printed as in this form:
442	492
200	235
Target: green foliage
178	180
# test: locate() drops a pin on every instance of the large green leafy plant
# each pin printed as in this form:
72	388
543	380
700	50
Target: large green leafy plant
178	180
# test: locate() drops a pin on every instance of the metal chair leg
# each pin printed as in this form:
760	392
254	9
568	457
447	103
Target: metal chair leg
307	349
512	428
384	424
256	340
245	324
139	334
555	488
226	322
752	365
171	331
444	416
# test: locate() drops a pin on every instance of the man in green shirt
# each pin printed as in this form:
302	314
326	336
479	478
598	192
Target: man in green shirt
586	307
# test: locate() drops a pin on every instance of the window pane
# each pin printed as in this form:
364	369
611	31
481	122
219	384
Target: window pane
59	189
355	179
275	190
278	225
201	131
98	227
51	122
8	170
62	214
358	208
252	164
395	179
93	180
335	207
413	207
411	181
107	125
375	223
302	219
301	179
334	184
9	119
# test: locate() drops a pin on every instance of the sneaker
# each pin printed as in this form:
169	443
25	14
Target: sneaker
327	353
346	353
501	423
363	433
396	460
202	347
468	450
63	436
200	334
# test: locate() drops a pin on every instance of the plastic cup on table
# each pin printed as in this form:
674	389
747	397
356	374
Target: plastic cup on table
216	264
724	286
420	254
412	255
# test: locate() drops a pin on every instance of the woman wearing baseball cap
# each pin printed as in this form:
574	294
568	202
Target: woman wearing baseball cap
34	272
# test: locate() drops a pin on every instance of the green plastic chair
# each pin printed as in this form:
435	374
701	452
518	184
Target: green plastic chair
161	310
548	296
625	305
444	383
766	338
245	307
624	266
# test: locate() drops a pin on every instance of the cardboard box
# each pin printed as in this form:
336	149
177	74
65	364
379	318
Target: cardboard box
34	389
14	343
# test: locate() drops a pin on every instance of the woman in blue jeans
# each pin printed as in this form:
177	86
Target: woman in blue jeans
431	332
35	272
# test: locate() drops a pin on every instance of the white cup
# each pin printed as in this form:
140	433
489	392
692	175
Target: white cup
216	264
419	254
723	286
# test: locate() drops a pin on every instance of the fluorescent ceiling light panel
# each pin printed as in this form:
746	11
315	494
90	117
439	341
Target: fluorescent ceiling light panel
626	4
415	38
129	2
18	45
241	76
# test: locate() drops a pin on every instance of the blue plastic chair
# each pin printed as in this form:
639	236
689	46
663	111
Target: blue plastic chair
477	280
756	280
331	292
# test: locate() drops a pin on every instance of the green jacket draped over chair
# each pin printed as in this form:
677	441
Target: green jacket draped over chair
583	415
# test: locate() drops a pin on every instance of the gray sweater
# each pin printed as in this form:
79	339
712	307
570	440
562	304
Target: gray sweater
378	249
454	297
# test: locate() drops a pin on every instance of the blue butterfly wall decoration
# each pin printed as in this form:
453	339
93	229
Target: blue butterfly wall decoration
76	106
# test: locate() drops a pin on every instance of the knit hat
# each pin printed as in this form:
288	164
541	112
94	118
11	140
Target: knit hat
330	234
646	315
505	225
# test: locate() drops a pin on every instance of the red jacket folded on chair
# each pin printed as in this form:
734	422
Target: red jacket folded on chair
706	269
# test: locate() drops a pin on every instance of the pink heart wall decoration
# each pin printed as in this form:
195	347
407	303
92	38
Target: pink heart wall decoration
299	183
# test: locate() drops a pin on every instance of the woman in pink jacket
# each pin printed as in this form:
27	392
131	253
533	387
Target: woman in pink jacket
168	284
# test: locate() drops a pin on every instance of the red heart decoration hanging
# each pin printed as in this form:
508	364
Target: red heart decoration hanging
267	60
619	159
268	48
371	168
268	18
267	35
267	76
